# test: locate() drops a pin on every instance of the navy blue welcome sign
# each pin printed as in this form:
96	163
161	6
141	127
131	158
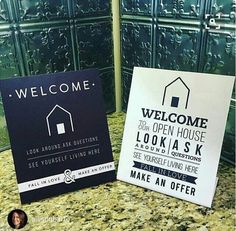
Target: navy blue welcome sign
58	132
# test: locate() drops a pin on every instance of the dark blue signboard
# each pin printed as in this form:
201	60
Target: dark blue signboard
58	132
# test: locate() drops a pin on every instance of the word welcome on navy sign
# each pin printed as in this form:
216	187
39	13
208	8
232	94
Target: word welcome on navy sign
58	132
174	132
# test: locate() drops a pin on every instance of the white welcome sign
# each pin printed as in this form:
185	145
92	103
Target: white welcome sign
174	132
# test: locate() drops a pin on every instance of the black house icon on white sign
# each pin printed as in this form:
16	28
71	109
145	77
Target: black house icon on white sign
59	121
176	94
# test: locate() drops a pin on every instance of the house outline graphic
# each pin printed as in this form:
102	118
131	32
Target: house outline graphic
51	112
176	99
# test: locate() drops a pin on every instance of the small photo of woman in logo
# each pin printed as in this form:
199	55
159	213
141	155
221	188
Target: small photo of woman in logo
17	219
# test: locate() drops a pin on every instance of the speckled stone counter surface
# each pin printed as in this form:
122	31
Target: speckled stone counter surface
118	205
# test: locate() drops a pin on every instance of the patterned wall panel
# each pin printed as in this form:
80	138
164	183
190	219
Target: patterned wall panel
85	8
44	10
180	8
94	44
219	56
177	48
224	8
4	12
137	7
47	50
196	39
136	44
9	62
108	86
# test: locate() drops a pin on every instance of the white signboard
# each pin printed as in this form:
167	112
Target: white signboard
174	132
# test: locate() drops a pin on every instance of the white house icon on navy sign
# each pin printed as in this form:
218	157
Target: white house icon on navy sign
59	121
176	94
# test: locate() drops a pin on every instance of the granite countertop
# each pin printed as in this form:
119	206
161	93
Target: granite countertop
118	205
